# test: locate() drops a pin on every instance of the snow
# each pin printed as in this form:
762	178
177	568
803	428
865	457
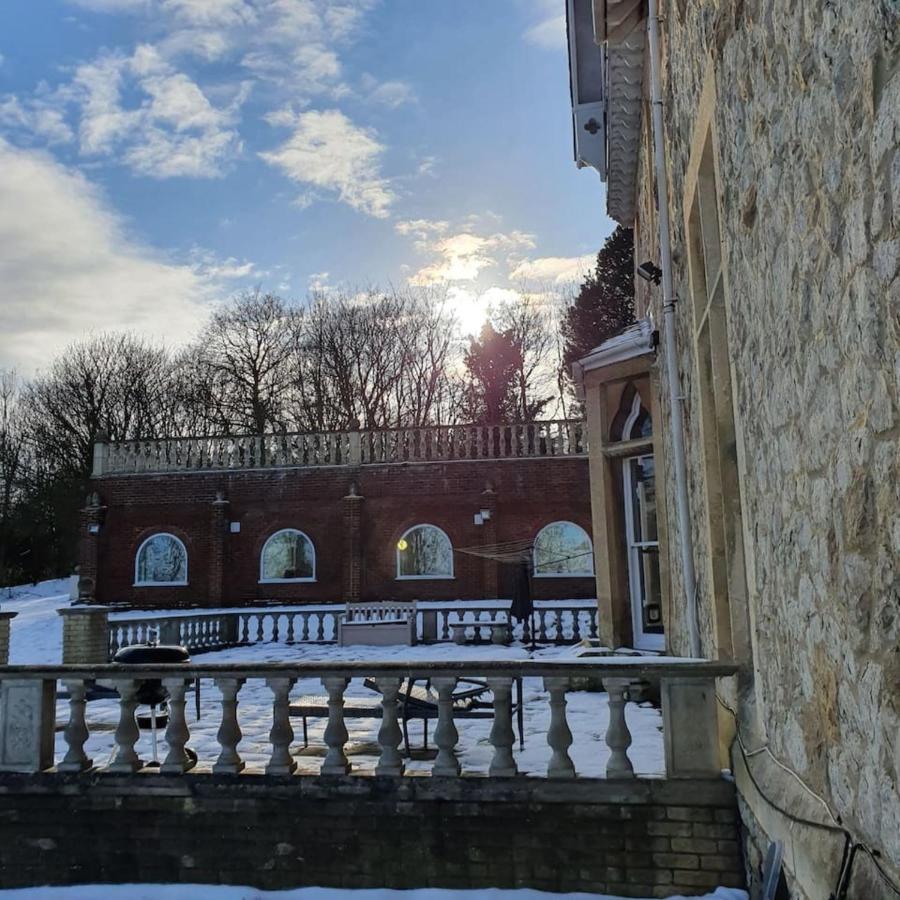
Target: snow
222	892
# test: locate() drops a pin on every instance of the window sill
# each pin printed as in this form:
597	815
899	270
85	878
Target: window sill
152	584
286	581
425	578
564	575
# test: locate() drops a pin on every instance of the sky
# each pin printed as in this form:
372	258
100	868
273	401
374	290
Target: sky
159	156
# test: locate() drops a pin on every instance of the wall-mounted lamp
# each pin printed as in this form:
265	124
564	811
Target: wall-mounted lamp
234	527
94	529
485	514
649	271
478	519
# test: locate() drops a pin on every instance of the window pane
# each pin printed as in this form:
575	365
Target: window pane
643	498
162	559
288	554
563	549
427	551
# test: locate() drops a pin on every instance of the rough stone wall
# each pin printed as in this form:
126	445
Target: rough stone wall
640	839
526	495
808	126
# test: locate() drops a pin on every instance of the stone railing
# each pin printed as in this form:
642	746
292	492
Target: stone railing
554	623
28	705
432	443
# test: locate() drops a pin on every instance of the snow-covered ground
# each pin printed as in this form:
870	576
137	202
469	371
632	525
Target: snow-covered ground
37	638
37	634
221	892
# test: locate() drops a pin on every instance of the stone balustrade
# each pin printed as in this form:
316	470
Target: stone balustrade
28	712
554	623
431	443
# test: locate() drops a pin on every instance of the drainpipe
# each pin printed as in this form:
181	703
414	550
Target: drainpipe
675	398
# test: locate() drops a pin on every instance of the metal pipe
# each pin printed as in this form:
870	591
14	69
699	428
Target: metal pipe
675	399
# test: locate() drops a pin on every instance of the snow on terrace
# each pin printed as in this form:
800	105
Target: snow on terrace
37	638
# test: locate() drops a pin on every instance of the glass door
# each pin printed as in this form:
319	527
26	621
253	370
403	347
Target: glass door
643	552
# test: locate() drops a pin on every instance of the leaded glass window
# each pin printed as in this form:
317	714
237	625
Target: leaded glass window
161	559
288	555
424	552
563	548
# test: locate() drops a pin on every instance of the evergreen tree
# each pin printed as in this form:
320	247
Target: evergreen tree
605	301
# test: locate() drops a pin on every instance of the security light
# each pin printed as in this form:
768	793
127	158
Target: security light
649	271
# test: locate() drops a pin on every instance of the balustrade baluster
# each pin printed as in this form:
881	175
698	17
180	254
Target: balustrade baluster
127	731
281	735
618	737
576	625
445	735
389	735
526	629
335	762
113	641
276	618
177	759
76	731
259	628
445	626
559	736
290	628
542	623
320	626
502	736
304	637
245	632
229	734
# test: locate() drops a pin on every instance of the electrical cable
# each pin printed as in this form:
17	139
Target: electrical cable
851	845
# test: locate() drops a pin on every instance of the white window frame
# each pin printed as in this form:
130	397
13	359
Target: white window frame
137	559
534	559
398	551
642	640
262	557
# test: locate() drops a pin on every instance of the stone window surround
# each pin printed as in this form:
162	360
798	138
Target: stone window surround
397	552
137	557
587	573
262	555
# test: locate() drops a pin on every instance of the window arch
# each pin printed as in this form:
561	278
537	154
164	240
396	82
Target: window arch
424	551
288	555
632	420
563	549
161	560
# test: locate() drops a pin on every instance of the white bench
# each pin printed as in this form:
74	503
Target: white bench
378	624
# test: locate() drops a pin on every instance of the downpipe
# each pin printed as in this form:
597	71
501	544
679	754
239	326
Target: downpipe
675	399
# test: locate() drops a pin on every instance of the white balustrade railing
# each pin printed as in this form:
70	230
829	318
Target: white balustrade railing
428	443
687	689
559	623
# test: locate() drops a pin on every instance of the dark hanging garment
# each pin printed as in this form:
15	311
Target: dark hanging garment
522	607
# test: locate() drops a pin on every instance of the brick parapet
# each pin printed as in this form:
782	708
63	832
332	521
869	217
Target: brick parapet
85	635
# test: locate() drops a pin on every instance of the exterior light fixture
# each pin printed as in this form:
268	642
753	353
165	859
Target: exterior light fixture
649	271
93	529
478	519
402	544
234	527
485	514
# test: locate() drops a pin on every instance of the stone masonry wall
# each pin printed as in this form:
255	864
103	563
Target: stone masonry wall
637	839
807	116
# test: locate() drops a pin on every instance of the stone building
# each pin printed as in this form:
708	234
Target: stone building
772	331
345	516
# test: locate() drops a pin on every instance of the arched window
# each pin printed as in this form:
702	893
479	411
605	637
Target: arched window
288	555
563	549
161	560
424	551
632	420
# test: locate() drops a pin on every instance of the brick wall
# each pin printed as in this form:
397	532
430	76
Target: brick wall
223	568
640	839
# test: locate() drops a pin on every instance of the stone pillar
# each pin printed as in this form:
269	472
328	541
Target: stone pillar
490	567
92	516
101	454
85	635
353	548
218	537
28	714
5	621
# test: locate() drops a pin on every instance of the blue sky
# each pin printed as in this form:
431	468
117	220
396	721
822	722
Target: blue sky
158	155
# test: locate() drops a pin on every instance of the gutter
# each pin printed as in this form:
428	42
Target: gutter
676	399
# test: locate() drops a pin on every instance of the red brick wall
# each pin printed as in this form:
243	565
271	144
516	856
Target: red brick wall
528	495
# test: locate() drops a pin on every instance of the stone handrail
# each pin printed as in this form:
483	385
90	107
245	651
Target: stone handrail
559	623
428	443
687	689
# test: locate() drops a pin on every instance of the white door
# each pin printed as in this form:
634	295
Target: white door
643	552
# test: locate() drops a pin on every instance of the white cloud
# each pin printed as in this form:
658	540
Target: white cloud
329	152
69	267
36	117
461	256
173	130
386	93
557	270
